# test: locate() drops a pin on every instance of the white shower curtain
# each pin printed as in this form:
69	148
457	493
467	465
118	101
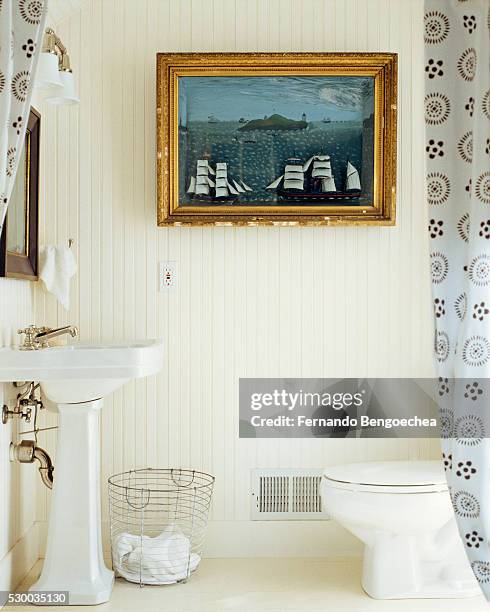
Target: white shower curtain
457	148
21	29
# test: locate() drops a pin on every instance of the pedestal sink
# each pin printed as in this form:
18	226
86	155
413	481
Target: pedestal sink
74	379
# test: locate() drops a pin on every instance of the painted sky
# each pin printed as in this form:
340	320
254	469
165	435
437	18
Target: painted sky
229	98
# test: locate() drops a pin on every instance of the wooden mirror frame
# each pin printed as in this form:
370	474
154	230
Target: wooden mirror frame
17	265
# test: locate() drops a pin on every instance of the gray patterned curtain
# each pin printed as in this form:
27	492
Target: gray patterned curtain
457	116
21	28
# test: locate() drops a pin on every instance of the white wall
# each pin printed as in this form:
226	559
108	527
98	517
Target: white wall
251	301
18	536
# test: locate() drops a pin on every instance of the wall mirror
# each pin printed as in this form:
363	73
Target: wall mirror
20	235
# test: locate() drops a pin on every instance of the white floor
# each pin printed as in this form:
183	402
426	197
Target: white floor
256	585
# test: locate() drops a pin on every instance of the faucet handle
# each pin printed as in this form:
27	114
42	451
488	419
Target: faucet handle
31	329
30	342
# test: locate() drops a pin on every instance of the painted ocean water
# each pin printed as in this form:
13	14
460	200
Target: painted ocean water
258	157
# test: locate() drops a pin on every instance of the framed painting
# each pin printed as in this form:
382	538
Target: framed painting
276	138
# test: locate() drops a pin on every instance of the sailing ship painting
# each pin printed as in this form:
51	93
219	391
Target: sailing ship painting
275	141
214	185
314	181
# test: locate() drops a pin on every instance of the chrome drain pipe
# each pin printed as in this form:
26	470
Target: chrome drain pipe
27	452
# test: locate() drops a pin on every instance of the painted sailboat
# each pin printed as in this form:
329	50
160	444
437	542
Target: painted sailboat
314	180
214	184
224	189
201	184
353	182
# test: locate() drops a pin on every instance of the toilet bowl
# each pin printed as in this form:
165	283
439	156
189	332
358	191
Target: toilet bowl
402	513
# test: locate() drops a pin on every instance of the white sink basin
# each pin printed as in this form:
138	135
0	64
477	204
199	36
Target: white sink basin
75	378
81	373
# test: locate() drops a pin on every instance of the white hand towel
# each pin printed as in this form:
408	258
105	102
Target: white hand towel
164	559
58	265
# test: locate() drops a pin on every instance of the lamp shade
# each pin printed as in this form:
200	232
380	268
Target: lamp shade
48	75
67	94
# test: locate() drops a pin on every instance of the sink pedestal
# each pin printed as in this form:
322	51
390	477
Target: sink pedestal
72	378
74	560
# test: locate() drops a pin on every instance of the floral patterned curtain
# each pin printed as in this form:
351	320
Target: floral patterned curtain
21	29
457	116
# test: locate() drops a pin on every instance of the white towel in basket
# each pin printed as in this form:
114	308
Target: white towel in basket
164	559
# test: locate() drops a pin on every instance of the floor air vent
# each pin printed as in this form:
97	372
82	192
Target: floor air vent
286	494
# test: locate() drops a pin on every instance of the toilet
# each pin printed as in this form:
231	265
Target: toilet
401	511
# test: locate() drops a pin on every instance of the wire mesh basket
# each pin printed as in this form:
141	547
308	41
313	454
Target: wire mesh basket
158	520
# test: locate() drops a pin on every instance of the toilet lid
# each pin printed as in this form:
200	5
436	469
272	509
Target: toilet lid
389	476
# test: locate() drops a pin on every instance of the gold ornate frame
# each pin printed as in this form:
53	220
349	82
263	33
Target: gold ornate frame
381	66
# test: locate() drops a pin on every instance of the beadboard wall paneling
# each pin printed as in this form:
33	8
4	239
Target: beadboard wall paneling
17	483
271	301
61	9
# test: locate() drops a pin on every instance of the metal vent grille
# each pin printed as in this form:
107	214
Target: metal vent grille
306	494
273	494
286	494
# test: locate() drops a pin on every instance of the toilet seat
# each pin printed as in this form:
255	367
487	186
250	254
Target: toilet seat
392	477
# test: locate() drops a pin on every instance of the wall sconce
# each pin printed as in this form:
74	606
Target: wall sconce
54	74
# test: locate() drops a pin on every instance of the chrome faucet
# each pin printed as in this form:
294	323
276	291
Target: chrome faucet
38	337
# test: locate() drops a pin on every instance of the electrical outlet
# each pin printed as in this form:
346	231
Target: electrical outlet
168	275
